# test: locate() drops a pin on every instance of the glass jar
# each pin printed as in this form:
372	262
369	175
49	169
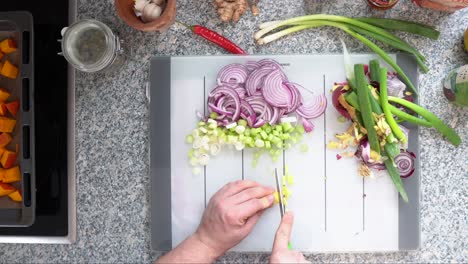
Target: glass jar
91	46
456	86
382	4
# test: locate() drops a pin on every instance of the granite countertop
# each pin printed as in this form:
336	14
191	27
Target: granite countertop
112	119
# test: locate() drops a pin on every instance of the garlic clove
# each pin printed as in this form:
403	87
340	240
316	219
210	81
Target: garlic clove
151	12
140	5
158	2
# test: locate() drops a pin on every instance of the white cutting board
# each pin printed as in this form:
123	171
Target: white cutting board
335	209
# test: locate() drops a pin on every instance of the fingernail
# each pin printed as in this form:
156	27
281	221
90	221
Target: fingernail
271	199
267	201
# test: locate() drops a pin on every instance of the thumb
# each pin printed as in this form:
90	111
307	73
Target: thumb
283	234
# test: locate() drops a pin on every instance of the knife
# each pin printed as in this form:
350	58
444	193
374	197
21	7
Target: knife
281	204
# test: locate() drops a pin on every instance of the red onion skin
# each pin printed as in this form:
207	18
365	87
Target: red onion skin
335	95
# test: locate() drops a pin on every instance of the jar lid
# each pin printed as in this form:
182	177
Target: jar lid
89	45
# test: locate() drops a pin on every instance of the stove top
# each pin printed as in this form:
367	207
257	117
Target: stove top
54	124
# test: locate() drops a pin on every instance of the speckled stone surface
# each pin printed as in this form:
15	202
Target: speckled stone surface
112	121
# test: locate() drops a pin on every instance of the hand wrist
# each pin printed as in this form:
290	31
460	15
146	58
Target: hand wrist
206	246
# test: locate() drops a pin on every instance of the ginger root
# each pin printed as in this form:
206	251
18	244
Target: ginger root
230	10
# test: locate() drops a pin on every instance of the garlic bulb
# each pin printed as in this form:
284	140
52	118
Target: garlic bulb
158	2
140	4
151	12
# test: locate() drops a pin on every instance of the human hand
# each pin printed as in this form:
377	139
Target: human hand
281	253
232	213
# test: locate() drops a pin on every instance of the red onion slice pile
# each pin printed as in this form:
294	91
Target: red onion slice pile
260	93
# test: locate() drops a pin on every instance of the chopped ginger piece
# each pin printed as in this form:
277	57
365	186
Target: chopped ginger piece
364	171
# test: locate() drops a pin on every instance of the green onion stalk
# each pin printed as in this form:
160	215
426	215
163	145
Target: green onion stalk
355	28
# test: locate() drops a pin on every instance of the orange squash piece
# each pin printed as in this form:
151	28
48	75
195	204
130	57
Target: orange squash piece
2	174
7	124
4	95
3	109
12	175
2	150
9	70
16	196
1	55
13	107
8	46
8	159
5	139
6	189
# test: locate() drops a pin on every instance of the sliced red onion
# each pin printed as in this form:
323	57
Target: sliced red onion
274	91
295	97
263	96
275	116
261	107
252	66
250	119
308	126
274	64
233	73
219	111
241	92
247	109
405	163
313	108
233	94
255	80
259	123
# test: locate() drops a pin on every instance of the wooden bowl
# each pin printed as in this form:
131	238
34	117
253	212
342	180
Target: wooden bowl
125	11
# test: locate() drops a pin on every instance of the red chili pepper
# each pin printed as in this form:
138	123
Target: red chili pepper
217	39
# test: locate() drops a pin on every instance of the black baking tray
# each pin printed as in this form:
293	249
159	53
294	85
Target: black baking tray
19	26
